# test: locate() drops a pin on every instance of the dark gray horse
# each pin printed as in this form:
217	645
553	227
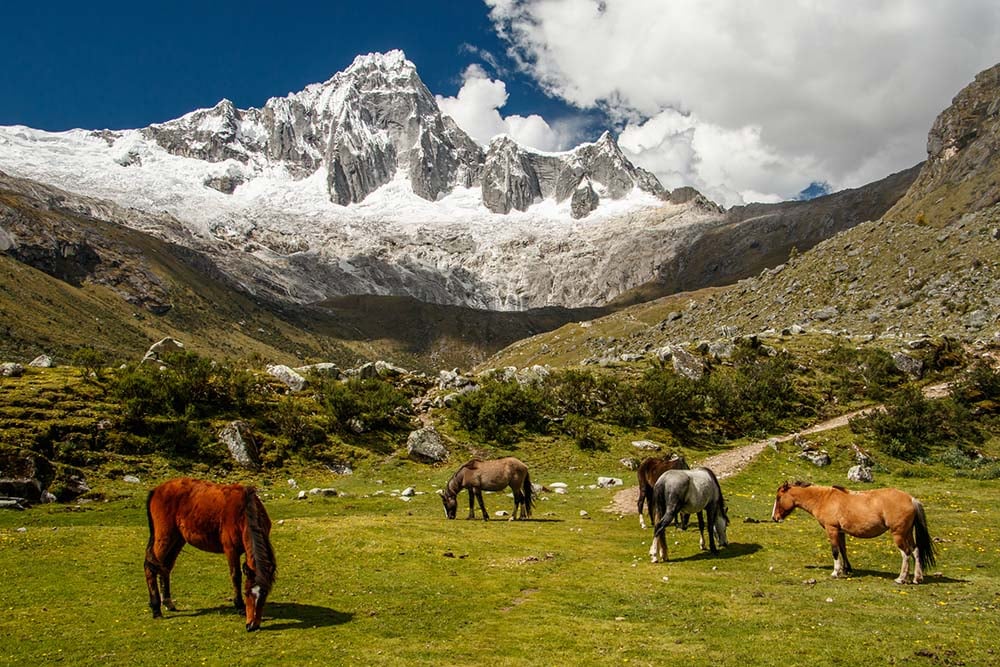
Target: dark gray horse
688	492
494	475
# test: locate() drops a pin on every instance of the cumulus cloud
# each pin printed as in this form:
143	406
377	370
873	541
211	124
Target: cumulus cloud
757	98
476	109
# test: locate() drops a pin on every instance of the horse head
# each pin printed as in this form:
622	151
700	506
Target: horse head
721	523
450	504
255	590
783	503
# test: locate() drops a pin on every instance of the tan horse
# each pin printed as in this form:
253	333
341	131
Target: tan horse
862	514
218	518
648	472
494	475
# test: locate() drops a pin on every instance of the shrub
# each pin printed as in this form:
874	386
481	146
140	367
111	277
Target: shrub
371	404
577	392
670	400
861	373
584	433
498	408
979	389
91	360
911	423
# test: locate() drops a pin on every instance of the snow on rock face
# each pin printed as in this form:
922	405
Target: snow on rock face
360	185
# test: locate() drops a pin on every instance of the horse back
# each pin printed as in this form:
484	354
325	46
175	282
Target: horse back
206	515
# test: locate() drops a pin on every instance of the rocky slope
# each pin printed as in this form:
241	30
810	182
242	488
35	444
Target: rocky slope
929	267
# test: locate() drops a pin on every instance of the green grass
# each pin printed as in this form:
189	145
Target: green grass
364	578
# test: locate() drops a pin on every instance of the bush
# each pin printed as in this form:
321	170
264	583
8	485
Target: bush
92	361
861	373
670	400
577	392
753	395
584	433
498	409
911	423
368	404
980	389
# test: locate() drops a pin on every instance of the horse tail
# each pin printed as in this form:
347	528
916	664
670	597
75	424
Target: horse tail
149	519
661	525
925	545
257	534
528	492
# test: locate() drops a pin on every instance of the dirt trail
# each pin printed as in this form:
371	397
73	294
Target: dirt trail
733	461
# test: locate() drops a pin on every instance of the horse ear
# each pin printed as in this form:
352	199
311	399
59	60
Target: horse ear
784	486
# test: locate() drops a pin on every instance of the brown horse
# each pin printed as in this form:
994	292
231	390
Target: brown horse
494	475
227	519
862	514
648	472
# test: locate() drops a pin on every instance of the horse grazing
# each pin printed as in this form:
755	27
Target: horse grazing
218	518
862	514
494	475
690	492
648	472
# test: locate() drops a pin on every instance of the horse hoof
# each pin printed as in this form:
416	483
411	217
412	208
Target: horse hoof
251	627
157	614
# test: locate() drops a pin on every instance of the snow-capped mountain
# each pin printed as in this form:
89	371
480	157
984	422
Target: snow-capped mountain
361	185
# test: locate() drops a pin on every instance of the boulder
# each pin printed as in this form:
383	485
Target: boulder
162	347
69	488
646	445
684	362
11	369
860	473
426	445
42	361
817	457
326	492
24	475
606	482
386	370
290	378
322	368
239	439
910	365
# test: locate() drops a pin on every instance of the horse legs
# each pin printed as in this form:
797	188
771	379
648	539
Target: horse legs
236	576
518	502
472	503
649	506
161	554
842	544
712	510
482	506
907	547
701	531
836	538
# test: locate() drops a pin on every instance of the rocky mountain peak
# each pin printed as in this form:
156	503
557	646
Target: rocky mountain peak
376	121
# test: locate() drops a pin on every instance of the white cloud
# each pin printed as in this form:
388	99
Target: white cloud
758	97
477	106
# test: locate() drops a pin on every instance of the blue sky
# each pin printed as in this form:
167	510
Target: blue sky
128	64
746	101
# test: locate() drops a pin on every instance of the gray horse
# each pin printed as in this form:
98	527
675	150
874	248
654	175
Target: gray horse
494	475
688	492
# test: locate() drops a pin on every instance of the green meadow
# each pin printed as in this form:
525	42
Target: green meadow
367	578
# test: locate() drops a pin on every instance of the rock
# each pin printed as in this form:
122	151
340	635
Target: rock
322	368
131	479
302	495
583	201
910	365
646	445
558	485
817	457
238	438
584	514
686	364
501	513
426	445
824	314
453	379
12	504
325	492
48	497
290	378
292	484
42	361
630	462
340	469
70	488
408	492
11	369
606	482
161	348
386	370
24	475
860	473
977	319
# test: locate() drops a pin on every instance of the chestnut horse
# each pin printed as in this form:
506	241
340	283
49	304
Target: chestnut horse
862	514
218	518
648	472
494	475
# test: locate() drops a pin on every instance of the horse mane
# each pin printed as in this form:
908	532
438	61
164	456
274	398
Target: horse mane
468	465
722	499
801	484
258	526
840	488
